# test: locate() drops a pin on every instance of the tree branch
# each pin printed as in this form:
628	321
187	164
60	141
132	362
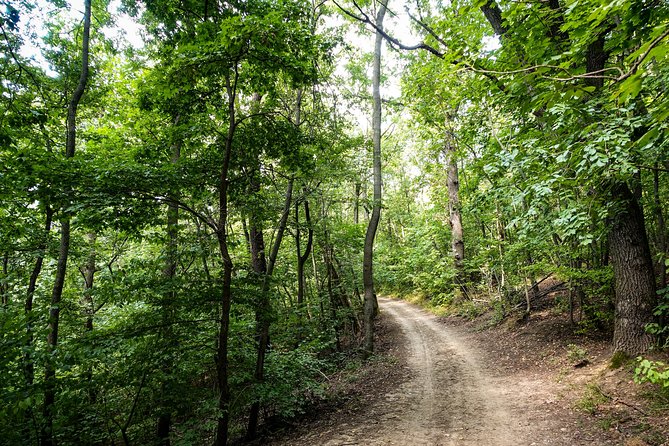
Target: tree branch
636	64
364	18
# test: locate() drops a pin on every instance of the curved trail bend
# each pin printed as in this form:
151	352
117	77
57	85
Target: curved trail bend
453	395
449	399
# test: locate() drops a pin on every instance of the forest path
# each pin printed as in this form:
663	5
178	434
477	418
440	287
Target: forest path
452	392
449	399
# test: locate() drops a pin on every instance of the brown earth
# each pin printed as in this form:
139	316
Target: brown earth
446	381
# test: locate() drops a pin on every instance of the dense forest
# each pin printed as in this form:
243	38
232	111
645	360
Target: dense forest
194	228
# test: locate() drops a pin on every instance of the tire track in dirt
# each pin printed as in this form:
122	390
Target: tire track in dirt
449	400
449	391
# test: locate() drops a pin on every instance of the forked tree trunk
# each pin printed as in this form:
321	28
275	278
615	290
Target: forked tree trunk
28	365
259	266
263	312
264	270
46	435
371	304
302	258
635	296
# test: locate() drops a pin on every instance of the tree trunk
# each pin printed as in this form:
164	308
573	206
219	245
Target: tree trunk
221	358
4	286
264	308
88	271
371	304
29	366
635	296
356	203
27	358
264	270
302	258
164	422
203	248
494	16
455	216
46	436
259	266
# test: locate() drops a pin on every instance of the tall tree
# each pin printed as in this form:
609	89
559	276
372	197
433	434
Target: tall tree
164	422
628	241
370	302
454	211
47	434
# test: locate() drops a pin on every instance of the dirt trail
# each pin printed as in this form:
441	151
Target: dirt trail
454	394
449	400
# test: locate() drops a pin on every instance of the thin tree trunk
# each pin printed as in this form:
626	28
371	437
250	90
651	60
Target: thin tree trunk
221	359
4	286
330	285
164	422
356	204
88	272
319	287
29	366
501	234
27	358
363	199
203	249
302	258
264	308
455	216
46	436
264	269
371	304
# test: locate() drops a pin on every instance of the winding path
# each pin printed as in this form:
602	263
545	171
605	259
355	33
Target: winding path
449	400
450	397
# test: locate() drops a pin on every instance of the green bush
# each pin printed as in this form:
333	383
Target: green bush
655	372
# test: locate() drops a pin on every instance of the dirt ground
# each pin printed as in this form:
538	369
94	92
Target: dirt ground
447	381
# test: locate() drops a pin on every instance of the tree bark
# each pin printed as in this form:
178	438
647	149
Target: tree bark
371	304
46	435
455	216
29	366
259	266
264	270
635	296
4	287
221	359
164	423
264	308
494	16
302	258
88	271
